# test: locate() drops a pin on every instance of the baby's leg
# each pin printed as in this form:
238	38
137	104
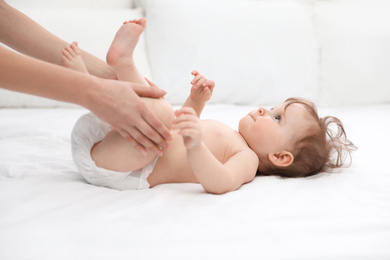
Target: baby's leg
114	152
120	54
71	58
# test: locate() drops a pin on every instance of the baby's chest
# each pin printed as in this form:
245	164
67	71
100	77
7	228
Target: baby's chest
221	140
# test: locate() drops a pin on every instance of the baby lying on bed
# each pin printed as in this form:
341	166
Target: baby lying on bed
289	140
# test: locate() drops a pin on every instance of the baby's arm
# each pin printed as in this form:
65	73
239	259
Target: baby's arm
201	92
214	176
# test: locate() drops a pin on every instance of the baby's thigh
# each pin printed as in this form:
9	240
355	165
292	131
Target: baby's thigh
115	153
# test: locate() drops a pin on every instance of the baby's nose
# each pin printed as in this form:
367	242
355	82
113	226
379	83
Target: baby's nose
262	111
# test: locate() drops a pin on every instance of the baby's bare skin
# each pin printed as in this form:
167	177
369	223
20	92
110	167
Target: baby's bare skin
71	58
120	53
115	154
192	161
222	141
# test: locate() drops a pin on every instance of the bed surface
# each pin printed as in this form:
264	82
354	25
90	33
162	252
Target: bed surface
47	211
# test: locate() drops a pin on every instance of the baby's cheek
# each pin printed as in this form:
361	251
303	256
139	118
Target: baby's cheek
245	124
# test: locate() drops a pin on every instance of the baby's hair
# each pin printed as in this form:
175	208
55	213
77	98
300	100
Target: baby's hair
323	148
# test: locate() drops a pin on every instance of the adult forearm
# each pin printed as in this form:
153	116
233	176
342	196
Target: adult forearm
24	35
28	75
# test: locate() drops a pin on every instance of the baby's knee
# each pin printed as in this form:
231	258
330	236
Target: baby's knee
163	110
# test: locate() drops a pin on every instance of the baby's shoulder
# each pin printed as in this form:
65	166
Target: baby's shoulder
214	126
226	142
222	132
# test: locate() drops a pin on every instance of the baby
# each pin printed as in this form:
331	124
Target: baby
289	140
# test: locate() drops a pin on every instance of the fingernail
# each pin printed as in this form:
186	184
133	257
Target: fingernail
142	151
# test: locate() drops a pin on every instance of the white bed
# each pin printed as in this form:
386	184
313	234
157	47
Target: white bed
48	211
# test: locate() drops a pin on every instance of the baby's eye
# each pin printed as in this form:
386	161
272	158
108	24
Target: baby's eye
278	118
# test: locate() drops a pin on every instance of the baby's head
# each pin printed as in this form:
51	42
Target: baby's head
292	141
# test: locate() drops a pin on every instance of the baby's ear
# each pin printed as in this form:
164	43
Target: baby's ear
281	159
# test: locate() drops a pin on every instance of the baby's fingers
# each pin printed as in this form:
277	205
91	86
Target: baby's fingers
208	92
184	118
190	132
196	79
184	121
194	72
183	125
210	83
185	110
200	83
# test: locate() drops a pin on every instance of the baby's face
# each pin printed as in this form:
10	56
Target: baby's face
275	130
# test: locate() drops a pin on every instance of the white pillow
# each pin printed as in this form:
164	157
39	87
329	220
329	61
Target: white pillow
92	29
371	3
355	53
90	4
257	52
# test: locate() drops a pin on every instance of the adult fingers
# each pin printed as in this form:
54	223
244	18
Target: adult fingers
150	83
132	141
153	128
145	91
144	140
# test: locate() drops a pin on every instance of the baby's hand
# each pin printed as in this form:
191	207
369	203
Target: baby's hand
202	88
188	125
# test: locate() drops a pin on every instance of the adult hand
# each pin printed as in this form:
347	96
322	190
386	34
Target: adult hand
119	105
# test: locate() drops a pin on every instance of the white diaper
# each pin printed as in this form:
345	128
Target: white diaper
89	130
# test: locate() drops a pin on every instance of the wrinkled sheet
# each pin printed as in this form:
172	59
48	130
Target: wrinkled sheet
47	211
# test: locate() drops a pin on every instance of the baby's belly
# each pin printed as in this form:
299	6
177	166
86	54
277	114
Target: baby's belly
173	166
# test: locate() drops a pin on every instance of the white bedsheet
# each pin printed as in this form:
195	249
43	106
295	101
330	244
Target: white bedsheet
47	211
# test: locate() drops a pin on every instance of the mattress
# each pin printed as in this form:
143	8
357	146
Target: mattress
48	211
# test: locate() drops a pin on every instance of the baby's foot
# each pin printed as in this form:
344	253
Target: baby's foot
71	58
123	45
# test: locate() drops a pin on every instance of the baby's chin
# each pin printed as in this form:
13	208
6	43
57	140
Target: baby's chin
240	124
245	122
